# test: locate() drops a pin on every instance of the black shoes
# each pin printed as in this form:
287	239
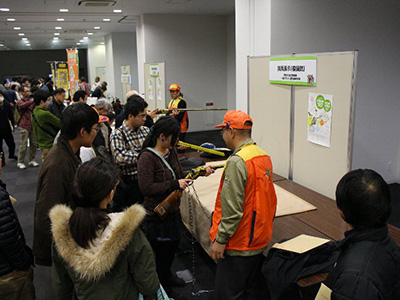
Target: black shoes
13	157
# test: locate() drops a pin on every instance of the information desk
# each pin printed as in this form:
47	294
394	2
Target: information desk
324	222
198	202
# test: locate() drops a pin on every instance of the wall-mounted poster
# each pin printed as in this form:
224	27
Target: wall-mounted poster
154	70
319	119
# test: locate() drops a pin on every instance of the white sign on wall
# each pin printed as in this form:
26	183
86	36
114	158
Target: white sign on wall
154	70
300	70
126	79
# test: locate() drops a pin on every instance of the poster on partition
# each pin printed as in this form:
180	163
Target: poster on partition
319	119
154	70
73	70
151	89
300	70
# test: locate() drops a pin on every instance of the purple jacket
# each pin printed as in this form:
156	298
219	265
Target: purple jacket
25	108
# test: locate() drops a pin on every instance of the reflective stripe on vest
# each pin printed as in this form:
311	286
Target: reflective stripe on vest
173	104
255	228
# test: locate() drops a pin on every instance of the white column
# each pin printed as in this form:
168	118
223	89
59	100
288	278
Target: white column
96	58
253	38
110	65
141	54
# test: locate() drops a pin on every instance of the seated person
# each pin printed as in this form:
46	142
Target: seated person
369	260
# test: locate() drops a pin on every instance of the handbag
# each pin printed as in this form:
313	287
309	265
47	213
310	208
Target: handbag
161	294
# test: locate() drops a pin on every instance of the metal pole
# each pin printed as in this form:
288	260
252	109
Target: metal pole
291	142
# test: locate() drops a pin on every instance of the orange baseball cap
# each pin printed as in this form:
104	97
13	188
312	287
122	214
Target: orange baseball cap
102	119
236	119
174	87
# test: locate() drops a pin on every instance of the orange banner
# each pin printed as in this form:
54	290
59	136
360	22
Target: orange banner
73	70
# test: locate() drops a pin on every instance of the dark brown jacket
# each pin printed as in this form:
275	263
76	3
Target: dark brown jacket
156	181
54	186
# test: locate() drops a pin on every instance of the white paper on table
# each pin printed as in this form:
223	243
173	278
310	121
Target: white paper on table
301	243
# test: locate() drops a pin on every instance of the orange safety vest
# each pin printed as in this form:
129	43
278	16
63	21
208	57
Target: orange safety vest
173	104
255	228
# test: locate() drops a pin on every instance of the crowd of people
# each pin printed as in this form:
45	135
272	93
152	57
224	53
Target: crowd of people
95	227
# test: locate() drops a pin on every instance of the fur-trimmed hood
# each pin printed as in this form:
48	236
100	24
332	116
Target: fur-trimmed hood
95	262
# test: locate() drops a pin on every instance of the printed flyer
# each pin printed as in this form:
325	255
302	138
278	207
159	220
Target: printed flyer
319	119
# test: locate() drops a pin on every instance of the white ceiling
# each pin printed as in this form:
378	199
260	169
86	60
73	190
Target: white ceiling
38	19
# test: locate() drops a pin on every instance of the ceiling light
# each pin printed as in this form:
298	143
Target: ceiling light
58	28
1	45
96	27
11	20
28	44
81	41
106	20
21	34
60	20
17	28
85	37
63	9
102	43
55	38
24	39
90	33
78	43
56	33
117	10
4	9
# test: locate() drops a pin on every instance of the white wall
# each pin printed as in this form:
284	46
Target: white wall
253	31
231	62
194	49
96	58
124	53
323	26
141	57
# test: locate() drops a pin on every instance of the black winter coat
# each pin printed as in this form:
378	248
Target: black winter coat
14	254
5	117
368	267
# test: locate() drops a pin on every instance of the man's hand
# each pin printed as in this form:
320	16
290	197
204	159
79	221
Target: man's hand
174	113
209	171
217	251
153	113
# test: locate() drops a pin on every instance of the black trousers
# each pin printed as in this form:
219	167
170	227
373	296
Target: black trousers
240	277
8	137
164	238
126	194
